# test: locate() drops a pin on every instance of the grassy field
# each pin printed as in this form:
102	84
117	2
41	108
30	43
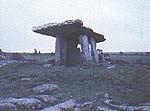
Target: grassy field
125	83
39	57
132	58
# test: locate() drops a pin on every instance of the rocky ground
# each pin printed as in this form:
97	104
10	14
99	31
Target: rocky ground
108	86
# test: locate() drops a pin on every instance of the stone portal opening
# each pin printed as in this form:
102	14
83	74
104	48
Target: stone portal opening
68	35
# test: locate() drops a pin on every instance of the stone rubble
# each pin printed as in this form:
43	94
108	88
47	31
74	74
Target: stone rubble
29	103
36	102
100	108
70	104
139	107
9	100
47	65
26	79
44	88
89	105
46	98
111	66
7	107
51	109
67	104
22	103
77	109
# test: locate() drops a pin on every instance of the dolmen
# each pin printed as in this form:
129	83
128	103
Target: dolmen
68	35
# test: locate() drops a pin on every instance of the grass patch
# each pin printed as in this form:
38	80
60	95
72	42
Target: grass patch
125	83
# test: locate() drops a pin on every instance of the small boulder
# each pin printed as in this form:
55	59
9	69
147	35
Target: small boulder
7	107
45	87
107	96
26	79
47	65
100	108
46	98
87	104
77	109
51	109
28	103
111	66
9	100
67	104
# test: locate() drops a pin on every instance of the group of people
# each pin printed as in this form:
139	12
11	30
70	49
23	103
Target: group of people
103	56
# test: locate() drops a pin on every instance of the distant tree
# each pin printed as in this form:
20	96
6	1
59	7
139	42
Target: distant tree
121	53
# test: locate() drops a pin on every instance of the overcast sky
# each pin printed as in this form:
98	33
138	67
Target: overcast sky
125	23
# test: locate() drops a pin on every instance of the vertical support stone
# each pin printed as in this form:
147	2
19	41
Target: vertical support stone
94	53
60	50
73	53
57	51
83	39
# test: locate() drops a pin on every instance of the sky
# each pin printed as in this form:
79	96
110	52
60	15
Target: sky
124	23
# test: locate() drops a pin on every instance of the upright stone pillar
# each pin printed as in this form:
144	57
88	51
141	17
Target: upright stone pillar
73	53
57	51
94	53
60	50
83	39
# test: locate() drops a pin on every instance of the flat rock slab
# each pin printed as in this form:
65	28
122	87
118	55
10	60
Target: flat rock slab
70	104
47	65
7	107
126	107
100	108
68	27
9	100
67	104
22	103
44	88
51	109
53	29
46	98
77	109
28	103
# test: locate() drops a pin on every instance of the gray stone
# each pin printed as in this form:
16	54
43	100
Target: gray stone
47	98
106	96
26	79
77	109
70	104
144	104
100	108
47	65
7	107
73	27
67	104
125	107
23	103
137	108
111	66
28	103
45	87
51	109
9	100
87	104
